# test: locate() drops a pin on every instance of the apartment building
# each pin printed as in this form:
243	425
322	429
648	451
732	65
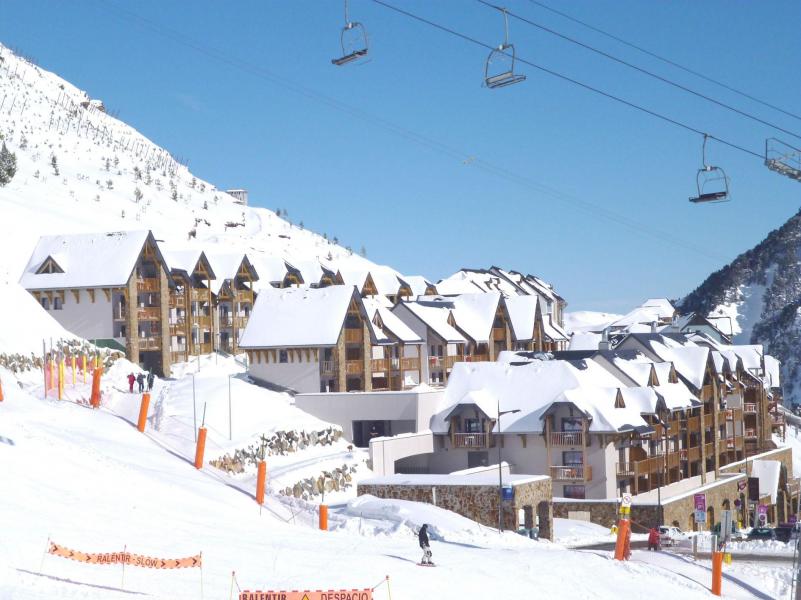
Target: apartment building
329	339
110	288
234	297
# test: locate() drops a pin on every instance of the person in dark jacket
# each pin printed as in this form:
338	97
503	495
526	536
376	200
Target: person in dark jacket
140	379
150	379
653	539
424	544
131	381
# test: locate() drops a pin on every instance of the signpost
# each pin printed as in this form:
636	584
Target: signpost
699	501
762	515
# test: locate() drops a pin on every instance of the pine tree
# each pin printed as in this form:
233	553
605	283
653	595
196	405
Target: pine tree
138	194
54	164
8	165
363	251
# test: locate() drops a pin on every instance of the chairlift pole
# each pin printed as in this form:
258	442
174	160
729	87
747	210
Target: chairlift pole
194	408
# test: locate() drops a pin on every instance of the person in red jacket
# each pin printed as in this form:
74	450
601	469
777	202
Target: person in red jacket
653	539
131	381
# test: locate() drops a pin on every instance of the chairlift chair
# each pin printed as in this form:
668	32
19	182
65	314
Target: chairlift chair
711	181
501	56
353	40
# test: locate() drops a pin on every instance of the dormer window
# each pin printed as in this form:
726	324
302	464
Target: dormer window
49	266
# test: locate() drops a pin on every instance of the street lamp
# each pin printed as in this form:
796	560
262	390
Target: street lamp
500	469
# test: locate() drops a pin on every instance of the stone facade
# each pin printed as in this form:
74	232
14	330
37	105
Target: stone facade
478	502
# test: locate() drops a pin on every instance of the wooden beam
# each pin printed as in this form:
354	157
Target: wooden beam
77	295
91	293
107	293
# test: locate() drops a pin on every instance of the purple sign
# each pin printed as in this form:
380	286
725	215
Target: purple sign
700	502
762	514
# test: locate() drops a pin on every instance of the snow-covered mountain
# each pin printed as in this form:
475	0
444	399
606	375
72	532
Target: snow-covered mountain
80	169
758	295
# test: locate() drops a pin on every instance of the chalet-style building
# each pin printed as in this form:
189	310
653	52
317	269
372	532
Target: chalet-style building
232	290
191	303
111	288
329	339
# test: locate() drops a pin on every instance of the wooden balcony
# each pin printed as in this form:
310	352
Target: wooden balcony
476	358
708	420
730	444
329	367
147	284
244	296
151	343
354	367
200	295
723	445
178	328
450	360
202	321
776	419
354	336
750	434
750	408
379	365
226	321
498	333
567	438
730	414
120	314
694	423
149	313
572	473
177	356
202	348
709	449
177	301
471	440
409	364
241	321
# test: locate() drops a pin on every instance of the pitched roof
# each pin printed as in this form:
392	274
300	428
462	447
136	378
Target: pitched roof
522	315
390	321
89	260
417	283
226	267
186	259
297	317
435	316
475	313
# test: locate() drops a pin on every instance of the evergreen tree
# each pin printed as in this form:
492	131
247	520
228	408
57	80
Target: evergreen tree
54	164
138	194
8	165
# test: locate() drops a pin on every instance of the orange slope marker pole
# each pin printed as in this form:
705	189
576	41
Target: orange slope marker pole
717	572
1	390
74	366
52	373
143	412
324	517
201	447
83	367
260	481
623	532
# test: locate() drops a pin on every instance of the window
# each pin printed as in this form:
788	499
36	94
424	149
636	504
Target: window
572	424
45	303
572	458
574	491
283	356
57	303
472	426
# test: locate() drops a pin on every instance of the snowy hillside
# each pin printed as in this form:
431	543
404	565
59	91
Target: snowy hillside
758	296
80	169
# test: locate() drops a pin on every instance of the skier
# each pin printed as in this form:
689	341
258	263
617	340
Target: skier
653	539
150	379
140	379
131	380
424	544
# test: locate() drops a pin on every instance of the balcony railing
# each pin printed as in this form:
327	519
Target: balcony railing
177	301
328	366
202	348
147	284
226	321
199	295
241	321
749	407
379	365
572	473
471	440
409	364
729	414
567	438
148	313
730	444
150	343
202	321
693	423
476	358
777	419
750	434
354	367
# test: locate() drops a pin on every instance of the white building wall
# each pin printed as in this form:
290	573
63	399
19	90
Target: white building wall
86	319
301	376
419	328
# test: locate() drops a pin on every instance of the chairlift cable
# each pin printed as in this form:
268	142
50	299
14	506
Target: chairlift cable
666	60
586	86
665	80
491	168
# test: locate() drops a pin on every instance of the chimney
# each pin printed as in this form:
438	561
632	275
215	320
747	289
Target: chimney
653	327
604	343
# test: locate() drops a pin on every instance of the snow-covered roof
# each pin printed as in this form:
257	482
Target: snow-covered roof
89	260
585	341
226	267
598	403
297	316
689	359
663	306
638	316
522	315
456	284
768	472
186	259
435	316
528	387
417	283
475	313
385	279
552	330
271	269
390	321
310	270
772	372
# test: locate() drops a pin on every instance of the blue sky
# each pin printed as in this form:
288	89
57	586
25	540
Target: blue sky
408	156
